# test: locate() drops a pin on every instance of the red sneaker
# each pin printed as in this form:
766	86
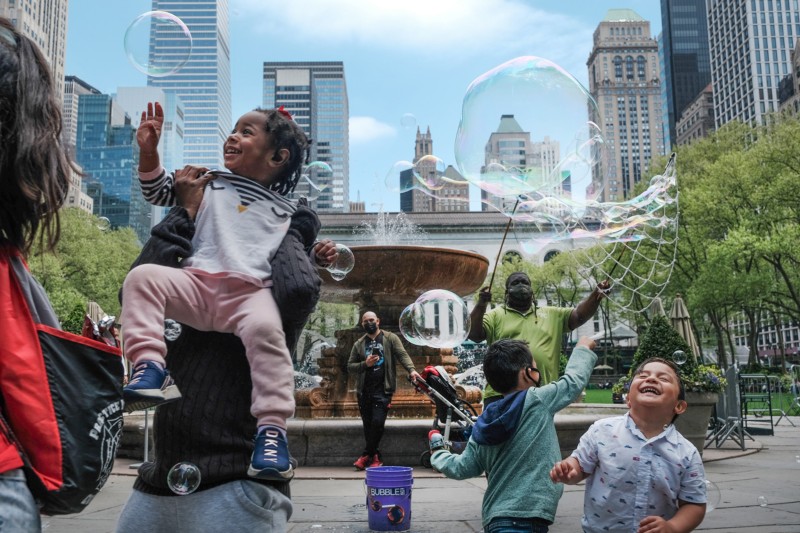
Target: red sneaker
376	461
362	462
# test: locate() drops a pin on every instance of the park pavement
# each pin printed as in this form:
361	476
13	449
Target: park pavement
759	491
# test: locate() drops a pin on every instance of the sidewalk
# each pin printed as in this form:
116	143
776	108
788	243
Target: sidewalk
759	489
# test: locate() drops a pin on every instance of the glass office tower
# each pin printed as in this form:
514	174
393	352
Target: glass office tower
315	93
204	82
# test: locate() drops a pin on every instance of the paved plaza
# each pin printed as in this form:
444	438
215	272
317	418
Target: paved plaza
759	493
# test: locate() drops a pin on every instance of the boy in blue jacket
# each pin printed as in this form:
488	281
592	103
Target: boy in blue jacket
514	441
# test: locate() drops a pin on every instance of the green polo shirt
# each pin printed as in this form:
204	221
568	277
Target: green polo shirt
542	332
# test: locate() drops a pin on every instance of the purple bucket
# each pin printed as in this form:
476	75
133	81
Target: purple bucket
389	497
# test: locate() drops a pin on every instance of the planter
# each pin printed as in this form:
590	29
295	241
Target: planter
693	424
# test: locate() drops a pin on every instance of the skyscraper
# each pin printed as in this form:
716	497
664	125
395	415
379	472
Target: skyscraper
204	82
45	23
687	67
623	79
315	93
134	100
750	44
107	152
450	191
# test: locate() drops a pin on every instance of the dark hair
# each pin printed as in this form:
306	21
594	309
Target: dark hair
503	361
34	168
287	134
673	366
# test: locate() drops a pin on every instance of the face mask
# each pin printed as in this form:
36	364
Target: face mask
371	327
520	293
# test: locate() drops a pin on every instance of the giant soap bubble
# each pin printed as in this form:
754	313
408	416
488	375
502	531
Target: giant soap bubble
438	318
527	127
530	139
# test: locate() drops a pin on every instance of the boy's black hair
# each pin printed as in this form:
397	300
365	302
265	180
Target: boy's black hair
503	361
287	134
674	367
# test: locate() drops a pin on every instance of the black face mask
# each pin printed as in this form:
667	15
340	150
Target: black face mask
371	327
520	294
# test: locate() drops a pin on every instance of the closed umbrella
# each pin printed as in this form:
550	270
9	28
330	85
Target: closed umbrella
656	308
679	317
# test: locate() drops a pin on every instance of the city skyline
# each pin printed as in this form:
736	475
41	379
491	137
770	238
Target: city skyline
423	70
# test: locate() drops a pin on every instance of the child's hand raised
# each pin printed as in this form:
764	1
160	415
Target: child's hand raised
149	131
587	342
567	471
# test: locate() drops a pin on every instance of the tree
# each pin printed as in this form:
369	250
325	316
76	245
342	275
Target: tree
88	264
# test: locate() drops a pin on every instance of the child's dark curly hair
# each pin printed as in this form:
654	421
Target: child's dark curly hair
287	134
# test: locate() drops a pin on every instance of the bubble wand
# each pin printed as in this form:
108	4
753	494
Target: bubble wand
497	259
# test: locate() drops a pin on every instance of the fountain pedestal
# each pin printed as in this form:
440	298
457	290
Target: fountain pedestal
336	395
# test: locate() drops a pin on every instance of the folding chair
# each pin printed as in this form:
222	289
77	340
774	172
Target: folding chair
756	398
728	414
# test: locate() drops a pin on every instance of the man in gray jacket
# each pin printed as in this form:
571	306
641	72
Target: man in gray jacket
372	360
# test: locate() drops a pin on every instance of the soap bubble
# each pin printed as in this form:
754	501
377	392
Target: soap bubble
172	43
713	496
407	326
679	356
183	478
103	223
762	501
532	119
172	330
439	319
408	121
344	263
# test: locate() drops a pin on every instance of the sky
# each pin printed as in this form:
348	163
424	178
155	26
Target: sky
407	63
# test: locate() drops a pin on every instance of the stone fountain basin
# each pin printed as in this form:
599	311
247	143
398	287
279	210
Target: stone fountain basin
338	441
396	275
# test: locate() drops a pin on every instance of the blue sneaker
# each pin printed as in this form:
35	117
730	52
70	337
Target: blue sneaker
271	458
150	386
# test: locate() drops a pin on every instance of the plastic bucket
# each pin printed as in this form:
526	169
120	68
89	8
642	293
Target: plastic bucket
389	497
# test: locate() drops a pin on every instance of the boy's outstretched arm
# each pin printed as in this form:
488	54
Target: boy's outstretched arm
456	466
568	472
688	517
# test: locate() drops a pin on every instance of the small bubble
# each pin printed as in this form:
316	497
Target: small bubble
183	478
713	496
172	330
408	121
762	501
679	356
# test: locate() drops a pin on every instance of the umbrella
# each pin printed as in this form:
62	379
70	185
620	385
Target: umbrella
679	317
656	308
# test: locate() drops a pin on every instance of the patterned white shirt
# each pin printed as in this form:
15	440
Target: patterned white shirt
633	477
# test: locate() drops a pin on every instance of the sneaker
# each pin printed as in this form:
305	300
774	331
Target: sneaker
362	462
376	461
150	386
271	458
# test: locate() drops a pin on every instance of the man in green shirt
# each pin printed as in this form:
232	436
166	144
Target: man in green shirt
519	318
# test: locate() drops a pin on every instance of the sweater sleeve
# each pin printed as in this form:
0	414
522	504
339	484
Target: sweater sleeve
356	365
463	466
402	354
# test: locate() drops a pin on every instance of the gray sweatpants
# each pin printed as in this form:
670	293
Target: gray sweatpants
237	506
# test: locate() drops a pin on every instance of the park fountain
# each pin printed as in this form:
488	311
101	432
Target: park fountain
327	429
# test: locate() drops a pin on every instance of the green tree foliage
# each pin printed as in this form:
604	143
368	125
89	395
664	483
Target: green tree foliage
89	264
661	340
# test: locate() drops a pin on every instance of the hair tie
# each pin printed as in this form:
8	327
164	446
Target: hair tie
285	113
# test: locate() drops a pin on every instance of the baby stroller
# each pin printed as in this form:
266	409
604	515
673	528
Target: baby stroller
454	416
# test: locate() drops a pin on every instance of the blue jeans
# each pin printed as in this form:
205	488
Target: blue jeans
18	509
517	525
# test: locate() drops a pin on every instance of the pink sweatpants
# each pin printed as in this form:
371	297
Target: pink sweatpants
152	293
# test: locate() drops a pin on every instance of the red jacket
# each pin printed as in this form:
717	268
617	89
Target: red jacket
23	381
